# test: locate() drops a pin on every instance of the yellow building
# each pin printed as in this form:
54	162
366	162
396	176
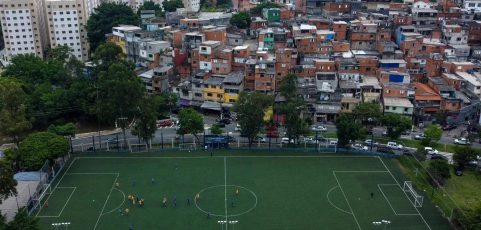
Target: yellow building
213	90
233	85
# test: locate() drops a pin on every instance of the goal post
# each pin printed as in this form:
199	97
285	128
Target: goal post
409	189
38	200
187	147
136	148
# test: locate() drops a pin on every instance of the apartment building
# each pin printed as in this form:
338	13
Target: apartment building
24	28
66	21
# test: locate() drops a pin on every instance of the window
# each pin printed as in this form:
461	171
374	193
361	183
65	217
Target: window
209	94
393	108
406	110
387	107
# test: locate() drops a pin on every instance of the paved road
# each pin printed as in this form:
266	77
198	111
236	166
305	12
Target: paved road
169	134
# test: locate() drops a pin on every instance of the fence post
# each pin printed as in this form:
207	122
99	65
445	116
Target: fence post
118	146
93	143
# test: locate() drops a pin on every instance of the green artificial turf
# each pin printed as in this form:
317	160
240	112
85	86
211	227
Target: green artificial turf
276	191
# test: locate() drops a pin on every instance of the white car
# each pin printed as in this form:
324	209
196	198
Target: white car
359	147
333	142
286	140
430	150
461	141
420	136
237	128
309	140
319	128
368	142
394	145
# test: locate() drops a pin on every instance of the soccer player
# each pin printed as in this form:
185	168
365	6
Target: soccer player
208	215
131	227
120	212
117	184
152	181
197	197
237	192
188	201
126	211
174	203
164	202
372	195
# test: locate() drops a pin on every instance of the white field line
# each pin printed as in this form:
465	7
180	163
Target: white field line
429	227
360	171
106	200
65	205
225	190
390	205
347	201
117	208
201	157
332	204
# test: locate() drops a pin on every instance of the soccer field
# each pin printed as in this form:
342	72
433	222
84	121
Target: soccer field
275	192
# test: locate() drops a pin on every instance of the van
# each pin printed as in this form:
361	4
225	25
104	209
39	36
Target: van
394	145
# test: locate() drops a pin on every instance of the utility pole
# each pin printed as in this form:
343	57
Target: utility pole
123	123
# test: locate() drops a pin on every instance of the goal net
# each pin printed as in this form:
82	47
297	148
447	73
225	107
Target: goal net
40	198
187	147
137	148
417	199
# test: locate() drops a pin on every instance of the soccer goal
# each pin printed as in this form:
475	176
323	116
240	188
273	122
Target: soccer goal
39	199
418	199
187	147
137	148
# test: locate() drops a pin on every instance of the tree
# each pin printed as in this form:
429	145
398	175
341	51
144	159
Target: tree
292	107
105	55
468	217
172	5
368	113
68	129
165	103
120	92
438	172
146	121
242	20
396	124
433	133
3	222
250	109
150	5
23	221
7	183
191	122
215	129
258	9
41	146
463	155
13	115
106	16
348	129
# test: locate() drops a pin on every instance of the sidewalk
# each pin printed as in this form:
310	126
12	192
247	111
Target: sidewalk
91	134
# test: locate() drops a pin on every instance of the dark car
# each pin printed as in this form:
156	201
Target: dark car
458	171
225	121
438	157
384	149
449	127
408	152
230	139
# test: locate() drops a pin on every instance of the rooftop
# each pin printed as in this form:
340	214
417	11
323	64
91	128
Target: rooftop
398	102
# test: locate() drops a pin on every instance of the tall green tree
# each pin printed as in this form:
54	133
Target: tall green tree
215	129
41	146
396	124
438	172
242	20
105	55
172	5
165	103
250	109
348	129
13	109
191	122
146	121
120	92
368	113
463	155
292	107
7	183
23	221
433	133
150	5
106	16
67	129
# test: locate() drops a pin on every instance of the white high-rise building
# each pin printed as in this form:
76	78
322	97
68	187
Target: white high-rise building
67	20
24	27
32	26
136	4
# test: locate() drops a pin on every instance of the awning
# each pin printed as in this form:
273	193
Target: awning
210	105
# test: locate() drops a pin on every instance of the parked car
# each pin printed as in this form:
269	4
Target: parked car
237	128
359	147
309	140
164	123
449	127
384	133
385	149
438	157
420	136
224	121
394	145
319	128
260	139
430	150
369	141
408	152
286	140
461	141
333	142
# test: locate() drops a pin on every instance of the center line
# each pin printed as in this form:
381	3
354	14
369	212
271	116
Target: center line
225	191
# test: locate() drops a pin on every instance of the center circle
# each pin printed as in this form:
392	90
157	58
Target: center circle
226	200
